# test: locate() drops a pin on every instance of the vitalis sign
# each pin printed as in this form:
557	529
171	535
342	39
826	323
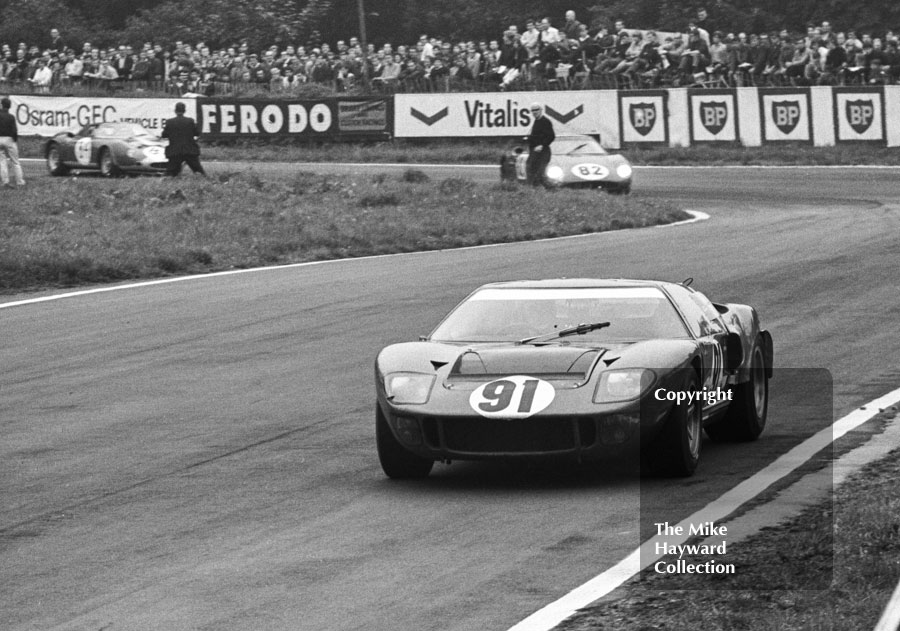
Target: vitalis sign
503	114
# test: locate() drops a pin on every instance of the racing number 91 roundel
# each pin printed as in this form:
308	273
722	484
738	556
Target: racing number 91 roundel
514	397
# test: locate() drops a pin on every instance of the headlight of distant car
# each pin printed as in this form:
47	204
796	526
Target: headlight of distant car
134	153
624	171
623	385
555	173
408	387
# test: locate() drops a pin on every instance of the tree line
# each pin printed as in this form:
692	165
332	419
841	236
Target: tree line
265	22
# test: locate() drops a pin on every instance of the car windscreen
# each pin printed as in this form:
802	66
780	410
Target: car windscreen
120	130
512	314
576	147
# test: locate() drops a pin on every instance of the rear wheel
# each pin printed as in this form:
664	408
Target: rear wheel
675	452
396	461
108	166
749	407
55	164
620	189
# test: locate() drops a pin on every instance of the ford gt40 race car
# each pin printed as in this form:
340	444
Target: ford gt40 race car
578	368
576	161
111	148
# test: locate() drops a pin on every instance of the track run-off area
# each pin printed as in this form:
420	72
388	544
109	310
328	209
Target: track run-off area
200	454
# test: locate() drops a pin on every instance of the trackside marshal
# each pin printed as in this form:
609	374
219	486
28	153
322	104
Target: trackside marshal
182	133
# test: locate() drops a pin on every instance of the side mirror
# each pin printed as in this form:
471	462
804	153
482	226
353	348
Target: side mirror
734	352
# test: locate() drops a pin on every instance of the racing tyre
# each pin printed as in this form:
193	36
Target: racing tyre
396	461
749	408
108	166
675	452
55	164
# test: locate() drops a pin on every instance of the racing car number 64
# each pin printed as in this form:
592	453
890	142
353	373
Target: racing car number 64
513	397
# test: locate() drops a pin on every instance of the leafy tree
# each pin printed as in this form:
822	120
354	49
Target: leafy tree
30	21
264	22
222	22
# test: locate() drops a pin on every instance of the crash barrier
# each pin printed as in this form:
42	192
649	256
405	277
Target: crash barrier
819	116
327	118
679	117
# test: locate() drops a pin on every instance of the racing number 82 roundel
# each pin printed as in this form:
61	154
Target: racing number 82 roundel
514	397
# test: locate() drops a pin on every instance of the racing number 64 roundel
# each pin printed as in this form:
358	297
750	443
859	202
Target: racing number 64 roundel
518	396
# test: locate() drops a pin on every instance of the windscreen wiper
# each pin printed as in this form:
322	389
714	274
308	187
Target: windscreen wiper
580	329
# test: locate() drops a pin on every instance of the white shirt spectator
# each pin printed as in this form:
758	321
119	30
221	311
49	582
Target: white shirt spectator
74	68
42	78
549	35
427	51
531	41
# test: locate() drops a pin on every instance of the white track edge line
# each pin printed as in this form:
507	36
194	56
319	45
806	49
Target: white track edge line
696	216
556	612
890	619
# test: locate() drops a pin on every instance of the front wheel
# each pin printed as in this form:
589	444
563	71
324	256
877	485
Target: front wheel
675	452
108	166
55	164
749	407
396	461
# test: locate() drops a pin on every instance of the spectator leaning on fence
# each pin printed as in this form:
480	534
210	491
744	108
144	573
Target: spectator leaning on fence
41	78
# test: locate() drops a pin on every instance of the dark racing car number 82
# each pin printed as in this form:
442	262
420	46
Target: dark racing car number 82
518	396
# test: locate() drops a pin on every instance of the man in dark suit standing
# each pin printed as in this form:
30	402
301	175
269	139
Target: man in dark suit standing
539	145
182	133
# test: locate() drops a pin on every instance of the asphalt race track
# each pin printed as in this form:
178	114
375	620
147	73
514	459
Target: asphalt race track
200	454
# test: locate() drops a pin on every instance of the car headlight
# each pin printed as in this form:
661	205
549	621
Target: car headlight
554	173
624	171
623	385
408	387
134	154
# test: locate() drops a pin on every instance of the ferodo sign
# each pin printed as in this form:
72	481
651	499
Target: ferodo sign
50	115
323	117
494	114
260	118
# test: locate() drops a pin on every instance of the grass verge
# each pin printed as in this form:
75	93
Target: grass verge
832	568
488	152
83	230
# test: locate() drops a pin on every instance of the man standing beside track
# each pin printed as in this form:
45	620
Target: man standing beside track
182	133
539	145
9	150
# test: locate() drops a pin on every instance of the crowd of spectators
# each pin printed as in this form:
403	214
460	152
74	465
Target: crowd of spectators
540	56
